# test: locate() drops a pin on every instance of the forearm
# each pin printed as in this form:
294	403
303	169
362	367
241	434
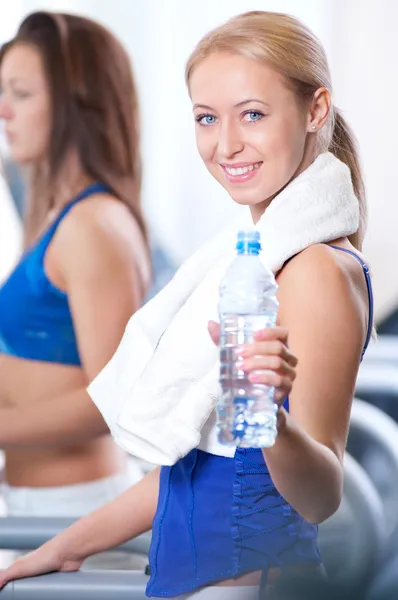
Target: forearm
68	419
122	519
306	473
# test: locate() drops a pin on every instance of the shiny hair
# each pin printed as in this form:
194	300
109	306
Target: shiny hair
290	48
94	110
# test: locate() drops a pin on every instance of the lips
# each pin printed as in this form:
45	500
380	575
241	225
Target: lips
241	172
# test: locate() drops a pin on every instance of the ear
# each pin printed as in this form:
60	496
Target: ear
319	109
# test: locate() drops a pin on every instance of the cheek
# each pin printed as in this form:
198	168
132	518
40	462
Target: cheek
34	131
205	145
285	146
42	126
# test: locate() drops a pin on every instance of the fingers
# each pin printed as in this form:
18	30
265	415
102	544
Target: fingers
27	566
16	571
214	331
269	361
268	365
267	355
276	349
282	384
272	333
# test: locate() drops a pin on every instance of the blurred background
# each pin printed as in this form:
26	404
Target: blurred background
185	206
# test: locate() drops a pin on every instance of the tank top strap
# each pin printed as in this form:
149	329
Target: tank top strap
90	190
370	292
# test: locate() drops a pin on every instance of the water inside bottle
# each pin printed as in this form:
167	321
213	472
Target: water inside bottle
246	411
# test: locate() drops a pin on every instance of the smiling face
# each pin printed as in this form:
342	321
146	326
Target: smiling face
251	130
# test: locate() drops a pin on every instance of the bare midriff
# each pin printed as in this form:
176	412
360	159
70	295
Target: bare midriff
29	383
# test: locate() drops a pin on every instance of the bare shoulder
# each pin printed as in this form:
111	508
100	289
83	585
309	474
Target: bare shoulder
98	231
103	217
326	281
320	265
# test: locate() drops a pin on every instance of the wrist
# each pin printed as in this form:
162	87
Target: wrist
65	547
282	426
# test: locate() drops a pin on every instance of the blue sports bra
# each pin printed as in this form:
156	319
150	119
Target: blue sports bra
35	318
370	294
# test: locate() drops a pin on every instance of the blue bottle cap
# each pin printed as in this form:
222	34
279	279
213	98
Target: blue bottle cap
248	242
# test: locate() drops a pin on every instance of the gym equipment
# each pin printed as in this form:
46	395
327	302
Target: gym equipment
92	585
27	533
384	350
351	541
373	442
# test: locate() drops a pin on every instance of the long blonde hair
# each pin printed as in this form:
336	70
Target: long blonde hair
289	47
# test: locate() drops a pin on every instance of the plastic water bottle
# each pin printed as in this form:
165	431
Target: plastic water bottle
246	412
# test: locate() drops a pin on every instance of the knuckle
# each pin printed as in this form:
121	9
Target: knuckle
283	333
255	348
278	362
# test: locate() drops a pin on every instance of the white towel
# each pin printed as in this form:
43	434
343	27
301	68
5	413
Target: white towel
161	386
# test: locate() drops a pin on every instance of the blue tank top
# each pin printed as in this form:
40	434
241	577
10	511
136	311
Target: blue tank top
35	318
218	518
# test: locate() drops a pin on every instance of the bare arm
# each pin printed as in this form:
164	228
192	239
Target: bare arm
326	316
94	258
124	518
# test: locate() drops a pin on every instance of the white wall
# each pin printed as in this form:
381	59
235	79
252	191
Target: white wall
10	232
366	87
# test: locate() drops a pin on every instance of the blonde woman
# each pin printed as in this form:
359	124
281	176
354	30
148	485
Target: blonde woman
262	102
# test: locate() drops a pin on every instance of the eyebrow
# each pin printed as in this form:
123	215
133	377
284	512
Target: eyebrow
235	106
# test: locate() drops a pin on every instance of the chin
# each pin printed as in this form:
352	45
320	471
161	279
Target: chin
246	199
241	202
21	158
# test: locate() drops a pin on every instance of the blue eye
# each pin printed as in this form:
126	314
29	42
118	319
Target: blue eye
205	119
253	115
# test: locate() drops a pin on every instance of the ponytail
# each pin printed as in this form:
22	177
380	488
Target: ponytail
344	147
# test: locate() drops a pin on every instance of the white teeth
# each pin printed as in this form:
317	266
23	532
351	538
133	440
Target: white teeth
242	170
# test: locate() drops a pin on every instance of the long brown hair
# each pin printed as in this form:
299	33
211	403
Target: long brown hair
94	110
288	46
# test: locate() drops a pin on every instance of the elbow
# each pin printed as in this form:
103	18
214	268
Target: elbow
324	508
326	499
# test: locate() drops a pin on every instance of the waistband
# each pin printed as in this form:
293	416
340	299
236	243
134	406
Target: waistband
67	500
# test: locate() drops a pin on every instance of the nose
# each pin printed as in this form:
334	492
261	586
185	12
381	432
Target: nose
230	141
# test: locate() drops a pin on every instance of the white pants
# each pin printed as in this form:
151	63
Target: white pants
67	500
219	592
